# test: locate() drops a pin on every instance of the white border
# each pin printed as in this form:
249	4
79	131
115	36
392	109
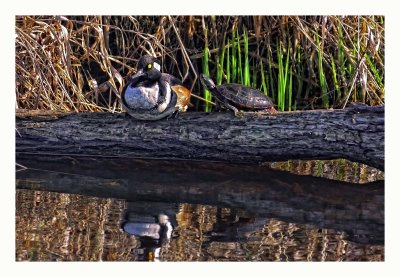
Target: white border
206	7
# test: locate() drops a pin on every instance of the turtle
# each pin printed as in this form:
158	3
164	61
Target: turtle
152	95
236	96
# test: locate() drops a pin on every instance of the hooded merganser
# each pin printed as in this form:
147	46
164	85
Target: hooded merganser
152	223
152	95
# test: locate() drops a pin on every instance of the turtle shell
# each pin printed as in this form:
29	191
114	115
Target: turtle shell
243	97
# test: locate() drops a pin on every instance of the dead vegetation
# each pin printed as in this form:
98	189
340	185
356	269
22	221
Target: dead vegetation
81	63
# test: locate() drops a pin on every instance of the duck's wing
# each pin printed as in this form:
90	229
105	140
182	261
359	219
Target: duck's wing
182	93
183	97
172	80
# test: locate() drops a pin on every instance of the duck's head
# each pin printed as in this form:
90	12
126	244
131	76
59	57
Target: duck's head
148	68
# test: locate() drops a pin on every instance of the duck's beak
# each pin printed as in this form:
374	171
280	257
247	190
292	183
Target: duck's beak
138	77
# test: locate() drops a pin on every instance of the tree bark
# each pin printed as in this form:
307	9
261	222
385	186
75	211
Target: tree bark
356	134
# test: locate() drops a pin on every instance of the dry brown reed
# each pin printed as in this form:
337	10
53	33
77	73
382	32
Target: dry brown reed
81	63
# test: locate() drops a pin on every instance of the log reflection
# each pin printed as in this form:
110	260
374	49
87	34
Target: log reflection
218	212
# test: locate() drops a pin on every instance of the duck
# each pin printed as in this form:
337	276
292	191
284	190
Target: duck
153	95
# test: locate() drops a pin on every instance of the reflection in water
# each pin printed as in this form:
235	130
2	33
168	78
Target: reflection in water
153	232
340	170
54	226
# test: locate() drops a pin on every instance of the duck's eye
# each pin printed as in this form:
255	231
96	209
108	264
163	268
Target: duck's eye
149	66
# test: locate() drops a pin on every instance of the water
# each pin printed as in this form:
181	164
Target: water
113	210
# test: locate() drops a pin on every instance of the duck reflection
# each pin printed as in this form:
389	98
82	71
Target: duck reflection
151	225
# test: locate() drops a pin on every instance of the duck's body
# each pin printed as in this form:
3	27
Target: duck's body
236	96
152	95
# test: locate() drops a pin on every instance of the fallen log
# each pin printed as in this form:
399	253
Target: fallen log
356	134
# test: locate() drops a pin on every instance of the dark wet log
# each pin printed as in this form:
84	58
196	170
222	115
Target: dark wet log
356	209
356	134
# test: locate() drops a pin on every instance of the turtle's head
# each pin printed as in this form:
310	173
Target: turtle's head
207	82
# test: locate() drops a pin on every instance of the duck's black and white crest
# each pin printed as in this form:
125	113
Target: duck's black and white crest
149	94
147	60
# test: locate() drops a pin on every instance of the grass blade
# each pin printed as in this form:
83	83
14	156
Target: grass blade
246	75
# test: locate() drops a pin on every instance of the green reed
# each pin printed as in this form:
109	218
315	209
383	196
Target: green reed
206	93
239	65
220	64
291	79
283	69
264	84
233	58
233	63
246	74
375	72
228	66
321	74
289	98
337	95
341	57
